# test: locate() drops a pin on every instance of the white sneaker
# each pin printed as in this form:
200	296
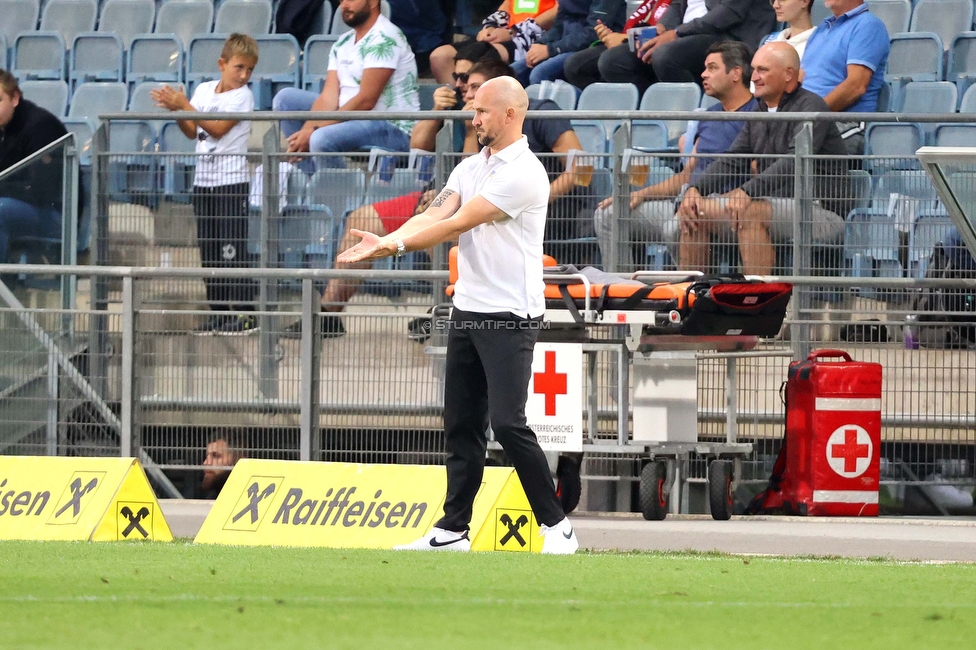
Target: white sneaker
439	539
559	539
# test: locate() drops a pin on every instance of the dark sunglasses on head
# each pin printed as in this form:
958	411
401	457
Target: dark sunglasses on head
462	77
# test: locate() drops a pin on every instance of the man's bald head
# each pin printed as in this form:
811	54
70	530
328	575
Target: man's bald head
500	106
775	70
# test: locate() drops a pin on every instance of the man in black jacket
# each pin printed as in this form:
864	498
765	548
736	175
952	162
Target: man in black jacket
30	199
684	34
761	208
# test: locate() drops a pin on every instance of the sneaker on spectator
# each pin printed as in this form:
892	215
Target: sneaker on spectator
418	329
330	326
439	540
227	324
559	539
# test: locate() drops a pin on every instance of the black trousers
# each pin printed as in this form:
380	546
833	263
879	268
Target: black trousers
489	362
583	68
221	214
679	60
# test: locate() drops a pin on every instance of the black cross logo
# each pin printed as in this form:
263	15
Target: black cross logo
135	520
513	529
255	498
77	491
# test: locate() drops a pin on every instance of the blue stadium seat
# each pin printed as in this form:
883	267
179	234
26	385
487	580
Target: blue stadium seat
962	62
331	193
177	169
929	228
95	57
315	63
244	17
943	17
929	97
18	16
871	244
154	57
4	52
707	101
201	60
321	22
602	97
132	178
277	68
91	99
69	17
51	94
819	11
425	91
895	14
185	19
127	18
84	131
968	102
140	100
896	142
38	55
913	57
955	135
672	97
564	94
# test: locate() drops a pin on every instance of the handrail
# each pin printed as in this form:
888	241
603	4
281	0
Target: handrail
721	116
37	154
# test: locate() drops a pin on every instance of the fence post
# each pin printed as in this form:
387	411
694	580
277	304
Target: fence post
53	402
802	239
128	369
621	205
101	346
443	146
310	353
69	228
268	256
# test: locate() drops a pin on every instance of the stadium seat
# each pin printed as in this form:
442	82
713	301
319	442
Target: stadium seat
69	17
564	94
18	16
962	62
818	12
177	169
913	57
672	97
51	94
127	18
707	101
277	68
946	18
4	52
93	98
929	97
38	55
968	102
132	177
896	142
929	228
201	60
83	131
185	19
244	17
321	22
154	57
315	63
603	97
331	193
895	14
141	102
955	135
95	57
871	245
340	27
426	93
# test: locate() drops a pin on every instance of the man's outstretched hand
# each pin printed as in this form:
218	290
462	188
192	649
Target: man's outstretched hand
372	247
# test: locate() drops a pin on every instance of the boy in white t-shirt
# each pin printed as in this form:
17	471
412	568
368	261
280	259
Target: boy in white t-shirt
221	184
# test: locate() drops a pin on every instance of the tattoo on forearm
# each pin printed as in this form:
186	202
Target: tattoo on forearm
441	198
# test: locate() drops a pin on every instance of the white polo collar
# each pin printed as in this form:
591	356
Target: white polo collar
509	153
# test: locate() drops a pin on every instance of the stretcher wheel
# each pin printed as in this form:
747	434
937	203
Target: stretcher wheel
569	486
720	494
653	491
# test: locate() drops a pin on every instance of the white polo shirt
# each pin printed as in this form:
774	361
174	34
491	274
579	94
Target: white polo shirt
500	263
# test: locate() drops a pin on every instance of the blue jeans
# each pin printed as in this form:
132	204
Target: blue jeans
549	70
19	220
344	136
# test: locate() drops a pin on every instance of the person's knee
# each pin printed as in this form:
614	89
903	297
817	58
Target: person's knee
361	218
617	64
285	99
668	64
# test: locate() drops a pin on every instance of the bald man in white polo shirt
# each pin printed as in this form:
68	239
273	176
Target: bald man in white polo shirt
495	204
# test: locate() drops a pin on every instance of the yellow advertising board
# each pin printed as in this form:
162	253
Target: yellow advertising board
98	499
350	505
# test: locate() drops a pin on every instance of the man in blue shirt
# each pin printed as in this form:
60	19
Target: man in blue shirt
726	78
845	60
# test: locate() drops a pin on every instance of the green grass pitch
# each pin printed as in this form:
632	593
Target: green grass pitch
82	595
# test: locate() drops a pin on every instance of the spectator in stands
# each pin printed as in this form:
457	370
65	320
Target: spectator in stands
424	24
762	207
30	200
583	68
511	30
447	98
845	61
220	183
573	30
726	78
222	451
684	34
544	136
799	26
371	67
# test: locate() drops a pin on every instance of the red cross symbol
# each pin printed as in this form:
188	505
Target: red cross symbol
550	383
850	451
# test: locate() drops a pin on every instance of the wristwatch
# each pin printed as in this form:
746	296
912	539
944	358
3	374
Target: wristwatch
400	248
